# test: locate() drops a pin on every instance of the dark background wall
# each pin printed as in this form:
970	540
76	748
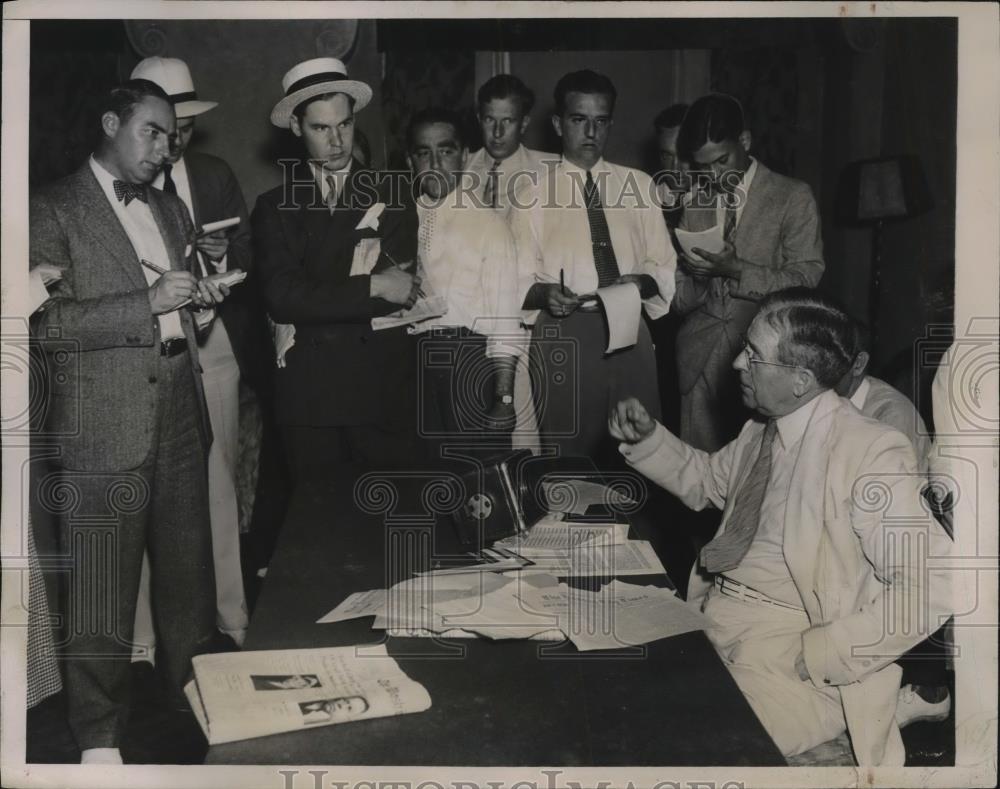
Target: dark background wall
819	93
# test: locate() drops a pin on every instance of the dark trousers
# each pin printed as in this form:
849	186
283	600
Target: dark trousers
457	389
107	520
317	452
576	384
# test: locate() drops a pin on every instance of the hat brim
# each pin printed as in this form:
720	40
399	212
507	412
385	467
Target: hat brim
188	109
359	91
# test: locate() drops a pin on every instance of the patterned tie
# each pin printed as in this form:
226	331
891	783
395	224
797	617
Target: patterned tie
729	225
331	195
168	183
425	234
600	236
492	185
728	549
128	192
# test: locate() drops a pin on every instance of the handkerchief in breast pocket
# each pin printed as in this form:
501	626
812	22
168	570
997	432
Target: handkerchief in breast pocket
366	253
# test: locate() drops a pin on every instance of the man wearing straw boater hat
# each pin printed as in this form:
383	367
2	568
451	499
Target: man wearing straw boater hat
332	256
232	339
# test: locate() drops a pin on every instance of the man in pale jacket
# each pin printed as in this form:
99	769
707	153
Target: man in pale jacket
818	575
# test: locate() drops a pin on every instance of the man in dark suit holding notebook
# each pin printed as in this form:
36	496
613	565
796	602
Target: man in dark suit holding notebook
127	411
329	262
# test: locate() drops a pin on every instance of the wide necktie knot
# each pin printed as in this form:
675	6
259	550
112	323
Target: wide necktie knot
126	192
727	550
600	236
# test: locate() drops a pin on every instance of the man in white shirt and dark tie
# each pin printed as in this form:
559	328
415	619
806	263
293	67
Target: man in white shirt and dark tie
590	224
467	256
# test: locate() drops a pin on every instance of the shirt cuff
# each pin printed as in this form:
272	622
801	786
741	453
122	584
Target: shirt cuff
636	453
38	294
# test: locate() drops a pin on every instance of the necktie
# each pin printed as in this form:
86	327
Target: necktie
331	195
729	225
425	234
126	193
492	185
728	549
600	236
168	183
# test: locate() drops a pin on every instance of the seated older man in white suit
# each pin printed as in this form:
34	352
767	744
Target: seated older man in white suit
820	564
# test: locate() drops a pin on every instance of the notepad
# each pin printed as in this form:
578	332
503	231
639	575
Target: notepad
222	224
709	240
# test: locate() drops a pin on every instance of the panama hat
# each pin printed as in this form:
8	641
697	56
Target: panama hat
314	78
174	77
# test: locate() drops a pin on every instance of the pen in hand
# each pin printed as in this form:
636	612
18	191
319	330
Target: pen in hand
153	267
562	282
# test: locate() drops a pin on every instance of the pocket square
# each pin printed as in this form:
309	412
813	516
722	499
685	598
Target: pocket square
187	251
370	219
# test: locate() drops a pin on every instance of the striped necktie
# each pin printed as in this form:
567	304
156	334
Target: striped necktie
331	195
492	185
729	225
728	549
600	237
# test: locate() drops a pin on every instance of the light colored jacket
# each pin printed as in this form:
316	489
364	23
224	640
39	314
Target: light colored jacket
857	542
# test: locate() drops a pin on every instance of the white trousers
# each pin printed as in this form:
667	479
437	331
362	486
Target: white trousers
221	380
759	644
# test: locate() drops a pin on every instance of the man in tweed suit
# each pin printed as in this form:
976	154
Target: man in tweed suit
772	241
129	416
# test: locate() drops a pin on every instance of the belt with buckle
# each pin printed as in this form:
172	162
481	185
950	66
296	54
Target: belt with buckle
174	346
731	588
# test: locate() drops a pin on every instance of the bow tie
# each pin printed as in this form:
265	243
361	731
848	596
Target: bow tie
129	192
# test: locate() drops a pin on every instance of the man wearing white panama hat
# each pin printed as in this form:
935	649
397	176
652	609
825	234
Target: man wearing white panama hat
346	393
230	348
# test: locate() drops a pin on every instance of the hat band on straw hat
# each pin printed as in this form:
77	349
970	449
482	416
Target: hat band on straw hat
177	98
314	79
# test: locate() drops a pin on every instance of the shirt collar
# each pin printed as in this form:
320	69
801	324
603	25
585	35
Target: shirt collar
791	427
600	166
320	174
859	397
749	174
104	178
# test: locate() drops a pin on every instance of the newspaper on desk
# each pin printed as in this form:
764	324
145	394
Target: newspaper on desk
239	695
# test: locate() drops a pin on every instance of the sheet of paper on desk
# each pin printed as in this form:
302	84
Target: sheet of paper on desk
498	614
239	695
617	615
575	496
623	312
554	534
355	606
635	557
710	240
410	604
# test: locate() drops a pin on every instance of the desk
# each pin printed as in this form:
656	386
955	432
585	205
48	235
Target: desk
494	703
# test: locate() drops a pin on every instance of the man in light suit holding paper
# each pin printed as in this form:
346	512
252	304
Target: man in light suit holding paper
128	416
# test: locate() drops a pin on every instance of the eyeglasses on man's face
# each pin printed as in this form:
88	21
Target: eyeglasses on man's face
748	354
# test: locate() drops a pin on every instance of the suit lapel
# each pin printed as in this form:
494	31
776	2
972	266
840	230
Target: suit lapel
99	219
171	234
804	510
758	202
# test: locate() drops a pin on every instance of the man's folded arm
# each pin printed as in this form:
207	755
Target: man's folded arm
292	294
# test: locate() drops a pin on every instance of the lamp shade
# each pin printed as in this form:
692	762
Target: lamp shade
892	187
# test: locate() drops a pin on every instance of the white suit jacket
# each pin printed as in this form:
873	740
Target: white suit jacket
857	542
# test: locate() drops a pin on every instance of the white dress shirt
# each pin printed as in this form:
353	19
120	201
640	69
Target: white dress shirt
141	228
468	257
519	173
553	234
764	568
